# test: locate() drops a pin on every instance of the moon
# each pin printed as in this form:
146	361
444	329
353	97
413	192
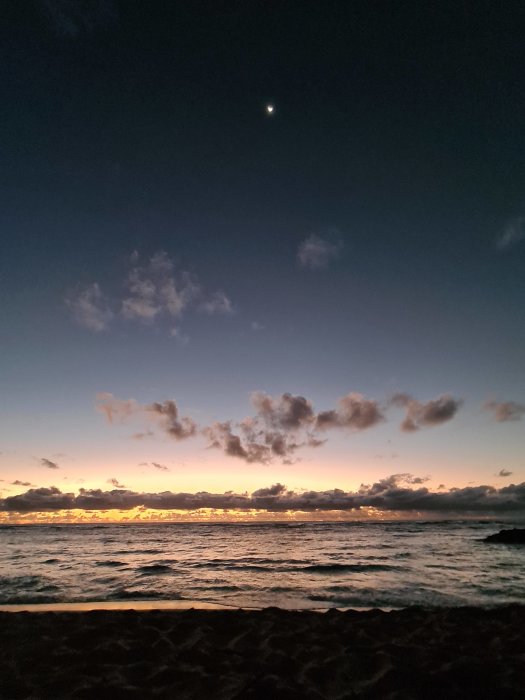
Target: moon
270	109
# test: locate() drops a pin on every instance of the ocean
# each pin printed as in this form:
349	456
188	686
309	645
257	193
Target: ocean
289	565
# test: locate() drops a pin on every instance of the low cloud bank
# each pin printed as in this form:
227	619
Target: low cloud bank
394	493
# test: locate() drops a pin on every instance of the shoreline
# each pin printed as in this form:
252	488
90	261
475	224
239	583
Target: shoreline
240	654
167	605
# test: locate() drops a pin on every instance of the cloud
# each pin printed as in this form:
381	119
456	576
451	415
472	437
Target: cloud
505	411
17	482
283	424
154	289
316	253
116	410
286	412
218	303
114	482
394	493
504	473
513	233
353	412
72	18
280	425
165	415
221	436
90	308
48	463
143	435
426	415
162	467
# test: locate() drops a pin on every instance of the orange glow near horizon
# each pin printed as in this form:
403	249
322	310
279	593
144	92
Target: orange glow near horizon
201	515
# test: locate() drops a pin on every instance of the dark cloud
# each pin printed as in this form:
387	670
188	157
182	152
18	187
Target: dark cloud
504	472
316	252
161	467
221	436
165	415
426	415
394	493
285	423
48	463
353	412
287	412
513	233
17	482
114	482
275	490
281	424
504	411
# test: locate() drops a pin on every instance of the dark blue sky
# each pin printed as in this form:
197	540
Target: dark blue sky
395	154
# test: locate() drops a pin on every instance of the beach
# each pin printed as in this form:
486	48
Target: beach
415	653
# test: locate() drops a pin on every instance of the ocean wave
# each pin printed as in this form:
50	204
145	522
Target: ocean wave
149	594
154	569
355	568
110	562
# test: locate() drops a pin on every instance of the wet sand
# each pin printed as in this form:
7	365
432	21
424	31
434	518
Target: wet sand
271	653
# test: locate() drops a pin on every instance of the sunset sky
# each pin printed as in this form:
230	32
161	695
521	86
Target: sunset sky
202	296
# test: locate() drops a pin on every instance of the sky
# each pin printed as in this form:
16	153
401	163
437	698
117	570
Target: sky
261	259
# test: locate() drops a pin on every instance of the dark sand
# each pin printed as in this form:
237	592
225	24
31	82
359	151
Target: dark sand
272	654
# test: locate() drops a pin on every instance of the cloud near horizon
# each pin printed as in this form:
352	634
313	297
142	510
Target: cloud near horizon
394	493
154	289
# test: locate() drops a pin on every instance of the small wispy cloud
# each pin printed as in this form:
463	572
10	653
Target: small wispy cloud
17	482
513	233
503	473
115	482
154	289
48	463
504	411
218	303
90	308
72	18
161	467
164	415
317	253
